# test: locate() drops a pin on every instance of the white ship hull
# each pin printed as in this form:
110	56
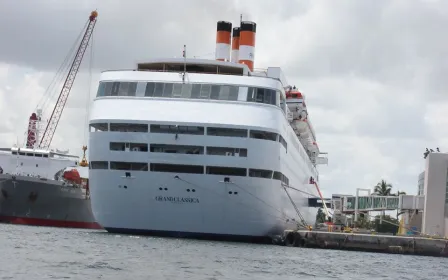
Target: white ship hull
260	209
208	212
206	155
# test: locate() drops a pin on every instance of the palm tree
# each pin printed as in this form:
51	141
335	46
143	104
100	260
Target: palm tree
400	193
382	188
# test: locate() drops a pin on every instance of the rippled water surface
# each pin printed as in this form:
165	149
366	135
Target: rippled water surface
52	253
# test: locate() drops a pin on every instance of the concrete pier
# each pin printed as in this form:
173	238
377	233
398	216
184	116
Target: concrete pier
367	242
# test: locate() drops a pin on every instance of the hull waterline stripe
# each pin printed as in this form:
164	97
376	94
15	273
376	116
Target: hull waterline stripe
48	222
193	235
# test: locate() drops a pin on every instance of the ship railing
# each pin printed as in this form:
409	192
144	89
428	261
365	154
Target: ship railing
170	71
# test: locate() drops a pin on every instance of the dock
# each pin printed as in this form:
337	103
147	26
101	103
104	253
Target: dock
366	242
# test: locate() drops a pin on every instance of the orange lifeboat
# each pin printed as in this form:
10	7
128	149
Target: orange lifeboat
294	94
72	176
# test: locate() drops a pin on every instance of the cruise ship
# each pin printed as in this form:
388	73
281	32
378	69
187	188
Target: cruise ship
210	149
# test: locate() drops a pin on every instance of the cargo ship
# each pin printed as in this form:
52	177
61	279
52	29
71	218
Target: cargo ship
44	188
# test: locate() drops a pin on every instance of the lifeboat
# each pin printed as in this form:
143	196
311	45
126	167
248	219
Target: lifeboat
72	176
300	120
314	148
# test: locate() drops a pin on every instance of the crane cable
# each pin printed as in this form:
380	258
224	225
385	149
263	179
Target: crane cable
57	79
302	219
87	107
63	69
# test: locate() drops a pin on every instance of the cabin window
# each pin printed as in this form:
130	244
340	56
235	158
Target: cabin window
283	103
260	173
177	90
223	131
115	88
128	127
177	149
121	165
101	89
168	90
277	175
258	134
195	91
177	129
140	89
230	171
132	147
285	180
158	89
186	90
205	91
99	165
123	89
149	91
214	94
98	127
262	95
225	151
177	168
282	141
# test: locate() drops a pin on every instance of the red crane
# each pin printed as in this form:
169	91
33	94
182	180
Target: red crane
62	99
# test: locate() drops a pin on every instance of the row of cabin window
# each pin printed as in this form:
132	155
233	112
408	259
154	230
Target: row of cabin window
182	129
193	130
190	91
178	149
30	154
190	169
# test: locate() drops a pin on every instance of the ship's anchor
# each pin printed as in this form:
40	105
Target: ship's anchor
33	196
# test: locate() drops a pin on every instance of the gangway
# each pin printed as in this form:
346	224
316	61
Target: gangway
350	204
318	203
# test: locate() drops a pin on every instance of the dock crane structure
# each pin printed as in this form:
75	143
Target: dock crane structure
33	139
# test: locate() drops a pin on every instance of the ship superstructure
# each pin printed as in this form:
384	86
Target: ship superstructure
203	148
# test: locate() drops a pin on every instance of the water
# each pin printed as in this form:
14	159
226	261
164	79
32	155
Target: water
53	253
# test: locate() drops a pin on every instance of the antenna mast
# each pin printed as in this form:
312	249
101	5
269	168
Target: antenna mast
185	63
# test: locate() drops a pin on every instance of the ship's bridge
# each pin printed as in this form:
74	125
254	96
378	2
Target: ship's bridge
208	66
192	65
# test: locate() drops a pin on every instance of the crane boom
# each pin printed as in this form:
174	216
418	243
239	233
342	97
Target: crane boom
63	96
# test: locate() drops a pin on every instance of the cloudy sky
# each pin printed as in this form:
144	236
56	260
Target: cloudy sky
374	72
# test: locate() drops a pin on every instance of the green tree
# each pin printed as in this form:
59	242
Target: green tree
399	193
382	188
320	216
364	221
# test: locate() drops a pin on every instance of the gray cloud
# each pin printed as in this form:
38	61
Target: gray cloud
397	43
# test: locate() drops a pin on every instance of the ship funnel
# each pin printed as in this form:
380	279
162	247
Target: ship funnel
223	38
235	44
246	53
